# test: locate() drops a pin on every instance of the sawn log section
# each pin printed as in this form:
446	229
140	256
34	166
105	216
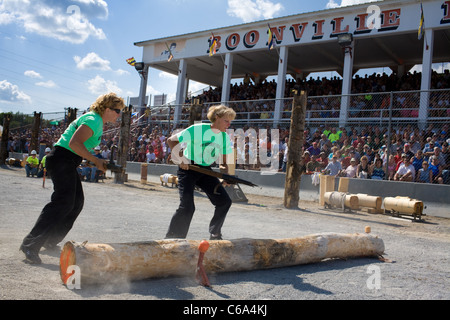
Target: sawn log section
102	263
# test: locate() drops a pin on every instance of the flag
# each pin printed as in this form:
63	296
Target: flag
170	54
270	40
213	47
422	23
131	61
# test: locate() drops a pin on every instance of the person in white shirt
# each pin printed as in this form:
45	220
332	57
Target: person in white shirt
350	171
406	171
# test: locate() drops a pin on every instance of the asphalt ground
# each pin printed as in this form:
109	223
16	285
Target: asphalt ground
132	212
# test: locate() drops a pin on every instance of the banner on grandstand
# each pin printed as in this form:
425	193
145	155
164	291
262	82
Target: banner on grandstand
325	25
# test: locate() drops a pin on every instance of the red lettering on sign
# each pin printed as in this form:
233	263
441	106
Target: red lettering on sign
278	33
337	26
251	39
361	24
446	7
233	41
390	19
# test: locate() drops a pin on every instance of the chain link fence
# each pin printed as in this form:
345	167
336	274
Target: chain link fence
377	125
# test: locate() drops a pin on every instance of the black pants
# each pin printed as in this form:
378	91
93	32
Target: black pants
59	215
181	220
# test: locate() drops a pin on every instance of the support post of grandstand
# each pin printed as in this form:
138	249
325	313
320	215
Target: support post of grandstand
122	154
181	93
5	136
295	161
346	84
427	70
281	84
143	89
227	73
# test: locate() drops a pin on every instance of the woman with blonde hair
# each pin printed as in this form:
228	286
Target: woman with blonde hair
76	143
206	143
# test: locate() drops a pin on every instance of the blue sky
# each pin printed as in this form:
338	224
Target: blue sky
65	53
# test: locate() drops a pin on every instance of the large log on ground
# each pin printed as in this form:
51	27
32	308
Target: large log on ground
341	200
368	201
105	263
404	205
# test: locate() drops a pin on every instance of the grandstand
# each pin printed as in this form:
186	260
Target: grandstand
383	34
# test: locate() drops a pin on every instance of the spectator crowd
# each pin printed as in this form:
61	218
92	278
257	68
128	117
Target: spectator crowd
409	154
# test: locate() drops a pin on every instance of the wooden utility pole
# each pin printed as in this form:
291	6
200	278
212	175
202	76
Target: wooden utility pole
196	112
5	137
35	131
122	155
71	115
295	144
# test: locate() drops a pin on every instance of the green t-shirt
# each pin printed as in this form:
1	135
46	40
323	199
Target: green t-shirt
203	145
91	119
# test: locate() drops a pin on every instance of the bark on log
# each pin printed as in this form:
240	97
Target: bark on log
105	263
294	161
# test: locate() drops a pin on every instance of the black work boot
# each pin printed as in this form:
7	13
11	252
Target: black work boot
31	256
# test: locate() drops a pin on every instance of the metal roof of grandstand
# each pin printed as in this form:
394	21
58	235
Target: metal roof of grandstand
312	42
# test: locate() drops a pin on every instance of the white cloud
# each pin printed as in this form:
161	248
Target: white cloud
252	10
32	74
92	61
11	93
99	86
121	72
47	84
64	20
344	3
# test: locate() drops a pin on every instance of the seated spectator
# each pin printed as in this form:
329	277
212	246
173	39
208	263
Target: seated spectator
406	171
368	152
417	160
407	150
94	172
363	169
428	151
425	175
377	170
391	167
436	169
314	150
446	167
313	165
32	164
334	167
323	160
398	156
84	171
151	157
350	171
